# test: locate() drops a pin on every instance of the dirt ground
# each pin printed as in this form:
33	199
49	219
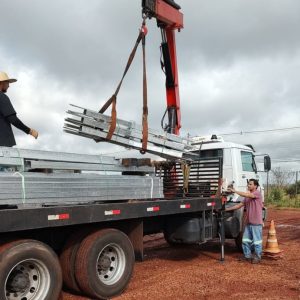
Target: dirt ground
195	272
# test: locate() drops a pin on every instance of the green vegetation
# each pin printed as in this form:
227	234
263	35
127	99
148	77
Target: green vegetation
283	197
281	192
293	189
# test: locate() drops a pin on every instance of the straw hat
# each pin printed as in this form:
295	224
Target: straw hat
4	77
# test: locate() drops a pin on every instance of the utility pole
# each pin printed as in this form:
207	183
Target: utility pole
296	183
267	184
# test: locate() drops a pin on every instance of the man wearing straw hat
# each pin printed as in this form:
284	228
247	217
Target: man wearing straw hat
8	115
252	237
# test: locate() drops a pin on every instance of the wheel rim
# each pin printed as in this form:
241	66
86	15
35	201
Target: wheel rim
27	280
111	264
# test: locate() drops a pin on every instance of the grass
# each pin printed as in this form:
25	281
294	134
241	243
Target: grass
282	200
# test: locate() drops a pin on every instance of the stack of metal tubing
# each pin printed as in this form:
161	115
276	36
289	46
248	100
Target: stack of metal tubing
39	188
93	125
44	177
26	160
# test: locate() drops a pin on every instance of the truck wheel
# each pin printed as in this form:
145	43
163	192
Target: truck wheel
104	263
30	270
68	256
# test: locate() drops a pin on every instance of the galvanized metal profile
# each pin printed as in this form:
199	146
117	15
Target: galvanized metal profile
95	126
8	152
26	160
39	188
101	117
85	167
125	133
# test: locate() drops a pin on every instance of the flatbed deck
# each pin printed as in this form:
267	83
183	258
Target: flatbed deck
29	217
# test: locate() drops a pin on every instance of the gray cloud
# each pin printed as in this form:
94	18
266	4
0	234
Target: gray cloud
222	33
239	65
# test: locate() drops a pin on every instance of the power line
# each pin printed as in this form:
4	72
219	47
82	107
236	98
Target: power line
285	160
262	131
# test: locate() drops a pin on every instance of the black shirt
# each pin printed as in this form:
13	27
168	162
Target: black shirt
8	117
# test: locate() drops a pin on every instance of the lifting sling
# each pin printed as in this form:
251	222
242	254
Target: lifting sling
113	99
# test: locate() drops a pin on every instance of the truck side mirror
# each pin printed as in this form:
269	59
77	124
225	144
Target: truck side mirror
267	163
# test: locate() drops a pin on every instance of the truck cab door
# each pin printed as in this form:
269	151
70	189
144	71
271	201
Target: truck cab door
247	169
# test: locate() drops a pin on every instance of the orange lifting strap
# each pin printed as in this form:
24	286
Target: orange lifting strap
113	99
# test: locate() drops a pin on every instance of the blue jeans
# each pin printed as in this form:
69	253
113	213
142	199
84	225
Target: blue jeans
252	240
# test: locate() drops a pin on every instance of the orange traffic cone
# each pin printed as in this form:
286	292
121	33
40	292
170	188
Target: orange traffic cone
272	248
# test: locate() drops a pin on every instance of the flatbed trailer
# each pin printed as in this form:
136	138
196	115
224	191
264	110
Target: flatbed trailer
91	245
30	217
54	225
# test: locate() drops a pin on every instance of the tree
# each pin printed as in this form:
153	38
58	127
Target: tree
281	178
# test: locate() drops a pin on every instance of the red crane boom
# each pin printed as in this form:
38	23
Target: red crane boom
169	19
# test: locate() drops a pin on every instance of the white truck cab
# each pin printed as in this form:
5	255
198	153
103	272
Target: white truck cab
238	167
238	161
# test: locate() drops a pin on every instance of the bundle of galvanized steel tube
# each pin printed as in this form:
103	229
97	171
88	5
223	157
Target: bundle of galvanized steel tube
42	177
39	188
94	125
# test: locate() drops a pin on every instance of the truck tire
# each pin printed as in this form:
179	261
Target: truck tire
30	270
67	258
104	263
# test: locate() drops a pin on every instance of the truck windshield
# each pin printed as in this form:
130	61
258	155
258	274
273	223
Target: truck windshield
248	162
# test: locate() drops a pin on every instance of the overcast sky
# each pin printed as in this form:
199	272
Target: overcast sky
238	60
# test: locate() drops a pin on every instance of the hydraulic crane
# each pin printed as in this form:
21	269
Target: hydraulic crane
169	19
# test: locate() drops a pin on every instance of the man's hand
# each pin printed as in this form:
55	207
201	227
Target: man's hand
234	207
34	133
230	190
